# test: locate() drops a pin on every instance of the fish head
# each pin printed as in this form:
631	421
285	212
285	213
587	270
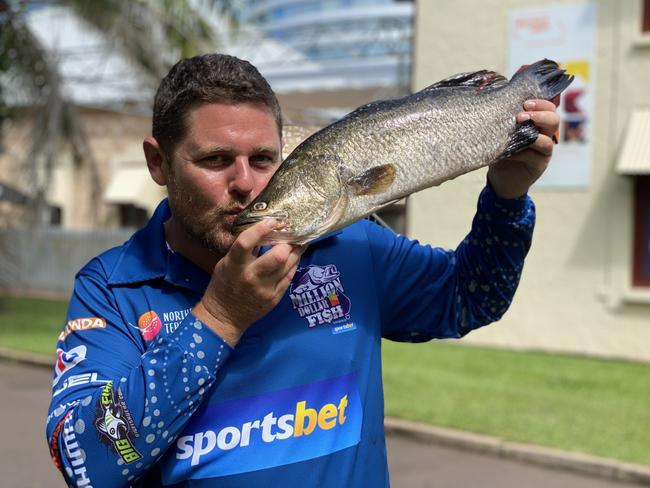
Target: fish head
304	196
323	274
113	428
111	423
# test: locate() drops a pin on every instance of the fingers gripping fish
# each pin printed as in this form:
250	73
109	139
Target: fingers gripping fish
386	150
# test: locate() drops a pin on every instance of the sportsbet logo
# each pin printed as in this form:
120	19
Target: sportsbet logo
267	430
270	429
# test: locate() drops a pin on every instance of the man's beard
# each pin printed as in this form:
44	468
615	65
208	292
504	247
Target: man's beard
203	223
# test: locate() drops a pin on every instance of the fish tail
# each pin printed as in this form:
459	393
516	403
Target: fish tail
550	78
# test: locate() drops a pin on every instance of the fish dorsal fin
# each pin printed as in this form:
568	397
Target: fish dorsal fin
477	79
373	181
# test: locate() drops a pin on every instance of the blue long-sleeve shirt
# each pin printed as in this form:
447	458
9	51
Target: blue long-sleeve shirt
145	392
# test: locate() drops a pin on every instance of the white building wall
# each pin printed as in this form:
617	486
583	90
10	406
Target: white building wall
575	294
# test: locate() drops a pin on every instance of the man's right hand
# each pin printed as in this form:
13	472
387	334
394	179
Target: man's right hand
244	286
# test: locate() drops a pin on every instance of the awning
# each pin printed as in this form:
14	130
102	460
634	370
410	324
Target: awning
635	156
10	194
133	185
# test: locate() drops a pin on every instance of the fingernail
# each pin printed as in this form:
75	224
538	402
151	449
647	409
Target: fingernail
271	222
529	105
523	117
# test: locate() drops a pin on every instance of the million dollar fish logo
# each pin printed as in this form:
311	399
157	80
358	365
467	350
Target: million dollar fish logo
318	296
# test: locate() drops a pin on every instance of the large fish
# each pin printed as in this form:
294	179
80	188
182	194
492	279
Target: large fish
386	150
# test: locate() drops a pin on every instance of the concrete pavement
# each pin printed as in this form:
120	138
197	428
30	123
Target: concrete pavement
24	457
414	461
414	464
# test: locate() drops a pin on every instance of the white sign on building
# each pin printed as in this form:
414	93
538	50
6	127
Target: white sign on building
567	35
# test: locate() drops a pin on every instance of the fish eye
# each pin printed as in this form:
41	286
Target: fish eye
260	206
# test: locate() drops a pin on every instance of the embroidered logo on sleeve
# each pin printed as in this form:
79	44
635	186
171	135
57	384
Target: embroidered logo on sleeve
86	323
318	296
75	467
114	424
66	360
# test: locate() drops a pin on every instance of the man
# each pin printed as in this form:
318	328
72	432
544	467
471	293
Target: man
195	357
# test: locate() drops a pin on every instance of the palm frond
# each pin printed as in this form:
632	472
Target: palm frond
36	83
152	34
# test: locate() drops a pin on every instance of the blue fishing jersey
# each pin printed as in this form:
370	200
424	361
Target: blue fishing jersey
145	394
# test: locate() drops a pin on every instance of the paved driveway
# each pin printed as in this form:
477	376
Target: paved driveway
417	465
25	460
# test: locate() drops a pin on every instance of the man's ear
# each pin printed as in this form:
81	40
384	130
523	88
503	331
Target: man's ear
155	160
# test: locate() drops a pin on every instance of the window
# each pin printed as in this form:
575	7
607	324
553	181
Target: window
641	272
132	216
54	216
645	17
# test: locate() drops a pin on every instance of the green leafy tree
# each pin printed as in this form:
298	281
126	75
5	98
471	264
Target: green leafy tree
152	34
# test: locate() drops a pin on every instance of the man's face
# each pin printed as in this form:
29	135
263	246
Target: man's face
225	160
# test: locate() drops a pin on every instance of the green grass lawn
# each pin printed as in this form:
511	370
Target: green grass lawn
573	403
579	404
31	324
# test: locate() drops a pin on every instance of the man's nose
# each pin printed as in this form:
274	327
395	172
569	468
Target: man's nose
241	180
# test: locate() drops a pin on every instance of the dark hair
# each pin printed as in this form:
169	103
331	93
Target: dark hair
210	78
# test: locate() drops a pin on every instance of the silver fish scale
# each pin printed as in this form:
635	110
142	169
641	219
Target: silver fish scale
434	139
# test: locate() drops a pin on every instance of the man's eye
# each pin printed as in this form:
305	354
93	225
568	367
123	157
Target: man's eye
215	160
262	160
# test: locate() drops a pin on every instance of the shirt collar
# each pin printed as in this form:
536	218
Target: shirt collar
144	256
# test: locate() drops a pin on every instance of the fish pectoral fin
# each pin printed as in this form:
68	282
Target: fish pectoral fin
478	79
375	180
523	136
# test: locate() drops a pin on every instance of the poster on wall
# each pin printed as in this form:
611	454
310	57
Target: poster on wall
566	34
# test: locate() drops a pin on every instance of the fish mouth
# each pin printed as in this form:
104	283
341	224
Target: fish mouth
247	220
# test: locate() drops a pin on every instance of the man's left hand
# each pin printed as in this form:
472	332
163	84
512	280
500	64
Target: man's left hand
512	177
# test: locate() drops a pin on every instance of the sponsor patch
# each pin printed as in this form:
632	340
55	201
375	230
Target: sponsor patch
74	455
317	295
172	320
66	360
149	324
338	329
77	380
54	444
114	424
76	325
268	430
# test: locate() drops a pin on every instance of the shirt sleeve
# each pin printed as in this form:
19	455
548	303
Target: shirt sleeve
435	293
117	404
